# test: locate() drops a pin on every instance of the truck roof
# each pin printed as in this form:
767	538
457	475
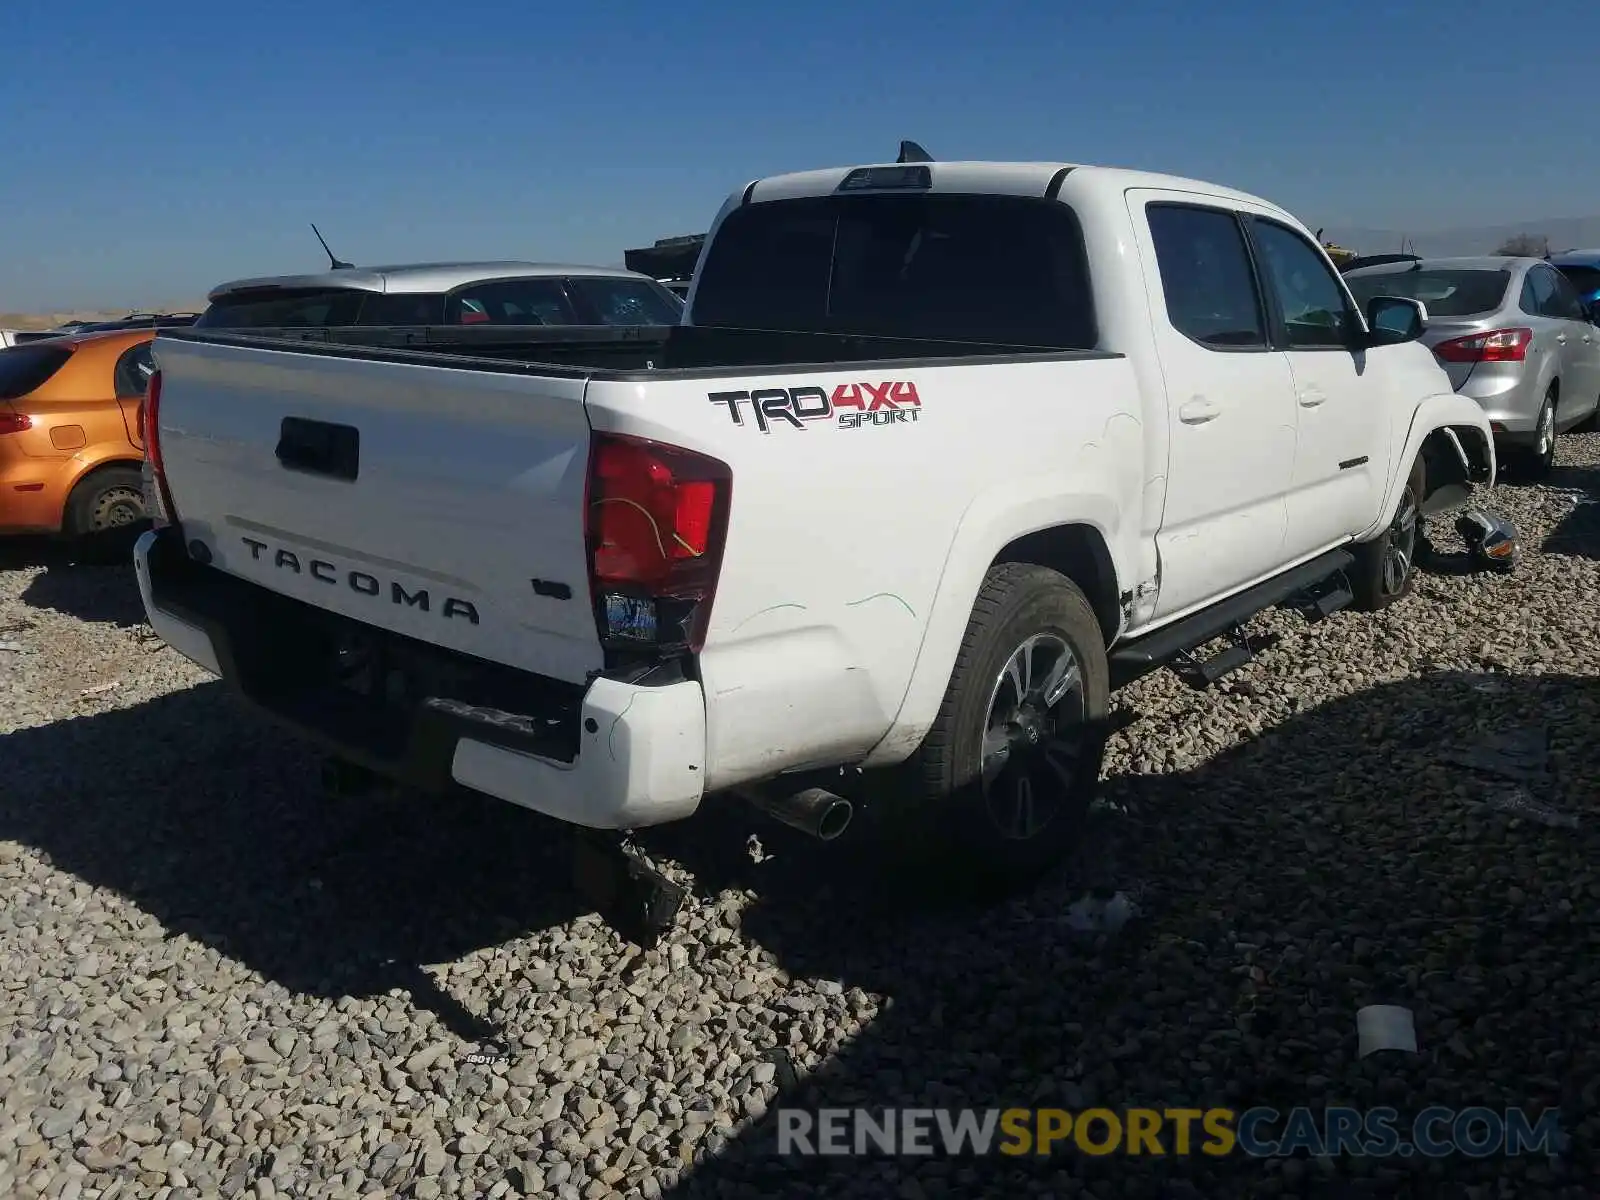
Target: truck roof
995	178
418	277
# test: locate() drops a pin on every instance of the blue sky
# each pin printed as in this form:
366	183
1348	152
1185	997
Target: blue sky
151	151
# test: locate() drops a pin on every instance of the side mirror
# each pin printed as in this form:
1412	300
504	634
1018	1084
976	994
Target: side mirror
1395	319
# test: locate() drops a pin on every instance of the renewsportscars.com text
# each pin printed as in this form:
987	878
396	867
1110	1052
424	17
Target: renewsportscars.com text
1260	1132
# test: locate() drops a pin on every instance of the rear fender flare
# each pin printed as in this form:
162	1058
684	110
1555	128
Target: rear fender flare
990	524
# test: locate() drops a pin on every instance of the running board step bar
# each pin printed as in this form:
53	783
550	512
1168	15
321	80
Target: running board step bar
1168	645
1321	601
1201	673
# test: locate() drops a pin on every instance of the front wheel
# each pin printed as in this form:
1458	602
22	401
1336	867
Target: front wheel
1386	567
999	789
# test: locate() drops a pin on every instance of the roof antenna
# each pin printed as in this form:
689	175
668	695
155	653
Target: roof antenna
333	262
910	152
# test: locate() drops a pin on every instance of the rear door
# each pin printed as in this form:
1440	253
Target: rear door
443	503
1230	400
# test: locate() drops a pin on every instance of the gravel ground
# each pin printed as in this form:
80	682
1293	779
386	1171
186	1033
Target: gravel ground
214	981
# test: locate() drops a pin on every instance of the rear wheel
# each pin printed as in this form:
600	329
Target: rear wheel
998	791
106	510
1538	459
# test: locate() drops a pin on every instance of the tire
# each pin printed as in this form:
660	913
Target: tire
941	816
1386	567
106	511
1536	461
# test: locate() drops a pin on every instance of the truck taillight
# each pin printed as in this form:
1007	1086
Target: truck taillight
656	519
1498	345
157	498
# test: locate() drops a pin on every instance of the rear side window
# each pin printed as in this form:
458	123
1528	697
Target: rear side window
1206	277
134	367
629	301
24	369
511	302
1445	293
962	267
283	308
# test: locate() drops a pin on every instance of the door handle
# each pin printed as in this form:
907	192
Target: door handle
1198	411
1561	339
1311	397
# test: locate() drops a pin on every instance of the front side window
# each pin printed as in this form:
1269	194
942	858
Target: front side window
996	269
1315	312
1206	277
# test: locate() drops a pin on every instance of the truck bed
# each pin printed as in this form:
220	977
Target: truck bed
624	352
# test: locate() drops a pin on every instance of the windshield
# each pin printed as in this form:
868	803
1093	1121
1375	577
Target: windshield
976	268
1444	292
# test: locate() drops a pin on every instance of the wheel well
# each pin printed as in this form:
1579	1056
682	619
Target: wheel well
1079	553
1446	476
96	472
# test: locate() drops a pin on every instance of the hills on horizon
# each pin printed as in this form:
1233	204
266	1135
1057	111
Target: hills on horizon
1563	233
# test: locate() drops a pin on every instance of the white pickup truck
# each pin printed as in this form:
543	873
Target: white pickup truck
942	454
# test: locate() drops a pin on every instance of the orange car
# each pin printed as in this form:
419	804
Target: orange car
70	448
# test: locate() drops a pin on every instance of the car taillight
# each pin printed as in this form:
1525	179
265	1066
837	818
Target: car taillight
1498	345
656	519
14	422
157	498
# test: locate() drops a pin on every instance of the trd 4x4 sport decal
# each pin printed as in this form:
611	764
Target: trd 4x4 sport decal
850	406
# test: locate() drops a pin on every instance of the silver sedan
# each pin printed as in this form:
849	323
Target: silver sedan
1513	334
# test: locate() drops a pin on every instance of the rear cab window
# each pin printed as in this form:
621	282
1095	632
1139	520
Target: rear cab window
283	308
1443	291
961	267
25	369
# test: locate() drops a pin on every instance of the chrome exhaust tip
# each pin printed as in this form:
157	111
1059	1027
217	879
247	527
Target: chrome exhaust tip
816	811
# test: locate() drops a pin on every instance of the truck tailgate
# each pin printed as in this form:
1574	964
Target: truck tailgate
439	503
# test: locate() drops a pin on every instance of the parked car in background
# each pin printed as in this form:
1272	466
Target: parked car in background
1582	269
485	293
70	447
140	321
21	337
1513	334
670	261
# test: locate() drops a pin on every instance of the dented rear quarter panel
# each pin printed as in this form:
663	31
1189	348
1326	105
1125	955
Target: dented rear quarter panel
850	540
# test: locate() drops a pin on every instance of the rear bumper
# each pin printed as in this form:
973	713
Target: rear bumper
609	755
33	493
1511	404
